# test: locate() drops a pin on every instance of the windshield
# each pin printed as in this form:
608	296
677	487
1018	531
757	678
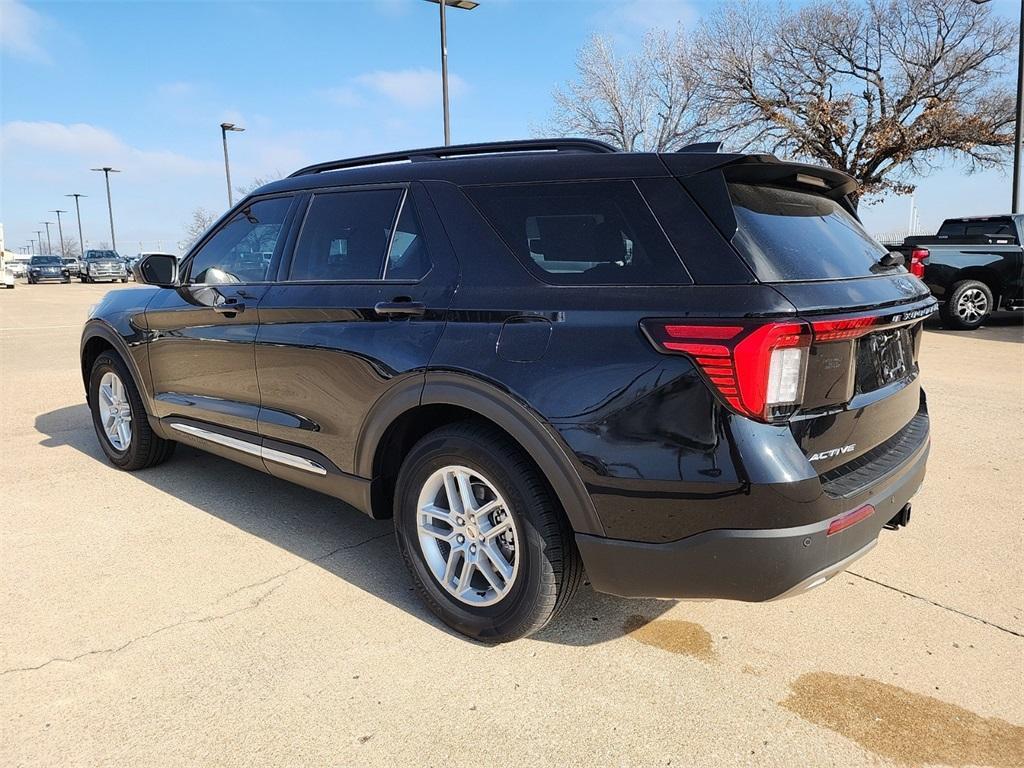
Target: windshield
787	234
90	255
37	260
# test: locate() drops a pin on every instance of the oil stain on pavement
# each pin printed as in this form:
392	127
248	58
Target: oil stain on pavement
683	637
903	726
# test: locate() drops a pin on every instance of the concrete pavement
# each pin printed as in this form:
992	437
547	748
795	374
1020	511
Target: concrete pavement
201	613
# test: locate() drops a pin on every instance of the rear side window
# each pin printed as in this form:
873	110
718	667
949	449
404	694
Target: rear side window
344	235
582	233
788	234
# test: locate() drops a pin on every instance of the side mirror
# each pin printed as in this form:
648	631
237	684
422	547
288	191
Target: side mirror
159	269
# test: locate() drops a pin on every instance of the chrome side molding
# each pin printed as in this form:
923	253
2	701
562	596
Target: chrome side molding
245	446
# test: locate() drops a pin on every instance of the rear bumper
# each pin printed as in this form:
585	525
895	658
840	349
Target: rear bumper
749	565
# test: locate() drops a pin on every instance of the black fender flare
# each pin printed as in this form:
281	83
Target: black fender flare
97	328
540	441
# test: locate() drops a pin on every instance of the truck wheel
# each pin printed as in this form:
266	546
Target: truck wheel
119	417
969	304
489	549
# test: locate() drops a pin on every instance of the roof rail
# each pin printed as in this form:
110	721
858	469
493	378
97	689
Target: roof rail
461	150
702	146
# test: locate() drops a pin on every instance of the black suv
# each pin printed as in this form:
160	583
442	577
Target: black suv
688	374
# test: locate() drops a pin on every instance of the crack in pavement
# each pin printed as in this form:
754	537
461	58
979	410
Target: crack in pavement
957	611
205	619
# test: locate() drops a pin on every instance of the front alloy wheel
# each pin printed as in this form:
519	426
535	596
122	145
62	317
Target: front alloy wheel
467	535
115	411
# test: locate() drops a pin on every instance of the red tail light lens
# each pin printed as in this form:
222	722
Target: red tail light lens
847	519
918	258
841	330
757	369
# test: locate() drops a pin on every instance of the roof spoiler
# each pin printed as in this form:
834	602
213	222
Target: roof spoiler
702	146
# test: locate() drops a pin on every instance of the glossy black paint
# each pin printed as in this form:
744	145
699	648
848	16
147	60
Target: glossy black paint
635	444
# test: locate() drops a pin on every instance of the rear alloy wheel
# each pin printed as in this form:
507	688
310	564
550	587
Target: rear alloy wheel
489	549
119	417
969	304
467	536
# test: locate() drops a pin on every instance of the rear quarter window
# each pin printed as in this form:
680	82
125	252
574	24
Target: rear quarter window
581	233
788	235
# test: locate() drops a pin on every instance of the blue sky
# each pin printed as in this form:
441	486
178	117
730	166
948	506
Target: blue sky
143	86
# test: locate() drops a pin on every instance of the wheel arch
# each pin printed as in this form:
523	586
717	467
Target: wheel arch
97	338
985	275
393	427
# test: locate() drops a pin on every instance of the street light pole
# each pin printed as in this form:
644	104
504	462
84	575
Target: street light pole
466	5
224	128
31	246
1020	114
39	240
49	245
107	170
78	212
60	231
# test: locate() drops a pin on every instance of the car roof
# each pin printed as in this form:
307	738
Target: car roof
516	161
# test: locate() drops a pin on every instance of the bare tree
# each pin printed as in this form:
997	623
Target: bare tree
71	249
882	90
257	182
201	221
648	101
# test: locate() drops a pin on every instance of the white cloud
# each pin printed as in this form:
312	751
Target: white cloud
410	88
95	146
20	30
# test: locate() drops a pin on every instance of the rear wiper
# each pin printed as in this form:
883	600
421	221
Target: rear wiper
889	261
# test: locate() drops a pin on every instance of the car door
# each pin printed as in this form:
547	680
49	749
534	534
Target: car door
357	312
201	353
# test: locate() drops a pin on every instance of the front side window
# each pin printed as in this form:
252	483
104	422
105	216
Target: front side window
345	235
582	233
242	249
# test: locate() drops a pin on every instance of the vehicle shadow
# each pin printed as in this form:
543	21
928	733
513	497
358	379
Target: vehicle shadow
320	529
1000	326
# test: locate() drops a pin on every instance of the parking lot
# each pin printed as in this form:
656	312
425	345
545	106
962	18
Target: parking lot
203	613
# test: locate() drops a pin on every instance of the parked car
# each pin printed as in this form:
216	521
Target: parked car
102	266
18	267
7	279
974	266
43	268
74	266
687	374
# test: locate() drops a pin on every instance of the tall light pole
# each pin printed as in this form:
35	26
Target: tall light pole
39	240
224	128
78	212
60	231
465	5
49	245
31	246
1020	114
107	170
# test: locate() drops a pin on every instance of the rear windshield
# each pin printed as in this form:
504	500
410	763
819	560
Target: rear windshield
995	227
582	232
787	234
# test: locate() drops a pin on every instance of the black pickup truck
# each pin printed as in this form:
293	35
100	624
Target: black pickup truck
974	266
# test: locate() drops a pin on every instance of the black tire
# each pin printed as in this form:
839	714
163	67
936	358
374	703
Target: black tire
549	566
124	279
84	279
968	305
145	448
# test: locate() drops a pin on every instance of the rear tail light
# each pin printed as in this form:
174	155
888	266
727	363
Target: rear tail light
918	258
758	369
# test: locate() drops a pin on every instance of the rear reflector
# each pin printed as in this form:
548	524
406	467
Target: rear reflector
850	518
